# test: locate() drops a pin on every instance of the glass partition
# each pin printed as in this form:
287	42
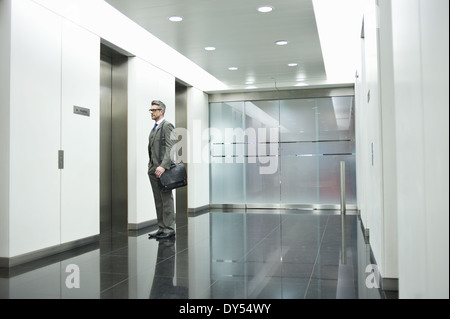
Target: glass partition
227	157
284	152
262	120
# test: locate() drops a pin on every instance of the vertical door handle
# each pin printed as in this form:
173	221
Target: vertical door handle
60	159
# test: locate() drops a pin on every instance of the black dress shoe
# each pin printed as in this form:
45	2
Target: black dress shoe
155	234
165	235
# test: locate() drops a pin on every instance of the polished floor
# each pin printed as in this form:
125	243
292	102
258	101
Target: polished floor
215	255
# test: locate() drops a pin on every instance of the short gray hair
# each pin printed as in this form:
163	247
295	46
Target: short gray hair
160	104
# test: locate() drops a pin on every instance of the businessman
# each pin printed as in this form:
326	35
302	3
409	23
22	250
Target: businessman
159	162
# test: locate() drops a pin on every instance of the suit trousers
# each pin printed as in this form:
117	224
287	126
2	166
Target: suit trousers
164	206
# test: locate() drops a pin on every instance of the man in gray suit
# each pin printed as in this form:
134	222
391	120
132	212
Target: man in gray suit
157	166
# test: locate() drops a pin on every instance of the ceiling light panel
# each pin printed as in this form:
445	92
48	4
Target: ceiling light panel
281	42
176	19
265	9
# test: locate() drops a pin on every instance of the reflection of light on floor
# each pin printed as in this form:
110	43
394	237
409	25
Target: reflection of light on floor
262	278
345	283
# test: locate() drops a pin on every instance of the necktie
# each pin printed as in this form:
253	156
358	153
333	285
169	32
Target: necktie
154	127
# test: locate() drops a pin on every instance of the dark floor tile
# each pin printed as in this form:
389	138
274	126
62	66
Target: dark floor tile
321	289
294	288
113	264
118	291
243	255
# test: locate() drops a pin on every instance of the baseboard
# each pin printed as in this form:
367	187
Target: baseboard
138	226
389	284
386	284
198	210
45	252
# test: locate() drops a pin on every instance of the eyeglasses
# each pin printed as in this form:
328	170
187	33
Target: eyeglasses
154	110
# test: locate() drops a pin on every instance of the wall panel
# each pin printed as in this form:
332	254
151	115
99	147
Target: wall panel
35	128
80	134
5	56
420	43
145	83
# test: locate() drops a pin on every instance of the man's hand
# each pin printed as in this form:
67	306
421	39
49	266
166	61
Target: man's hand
159	171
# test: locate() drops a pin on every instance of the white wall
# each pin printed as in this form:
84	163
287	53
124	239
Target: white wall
377	143
369	135
35	125
80	136
362	151
54	66
47	206
145	83
421	51
388	140
5	54
151	76
198	148
404	181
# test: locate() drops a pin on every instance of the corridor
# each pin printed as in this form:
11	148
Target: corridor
252	254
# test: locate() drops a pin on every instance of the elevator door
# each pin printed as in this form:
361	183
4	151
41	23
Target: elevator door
180	122
113	141
105	144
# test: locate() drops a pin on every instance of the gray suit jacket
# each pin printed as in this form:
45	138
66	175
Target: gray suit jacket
153	146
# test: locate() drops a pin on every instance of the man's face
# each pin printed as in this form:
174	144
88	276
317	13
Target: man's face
155	111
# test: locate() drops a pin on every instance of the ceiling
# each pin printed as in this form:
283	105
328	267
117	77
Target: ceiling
242	36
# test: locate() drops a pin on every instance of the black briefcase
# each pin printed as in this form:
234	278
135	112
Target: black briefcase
173	178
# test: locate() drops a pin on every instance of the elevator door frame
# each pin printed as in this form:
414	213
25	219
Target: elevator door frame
113	141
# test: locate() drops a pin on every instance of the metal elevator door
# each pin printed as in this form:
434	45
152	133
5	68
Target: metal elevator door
181	122
113	141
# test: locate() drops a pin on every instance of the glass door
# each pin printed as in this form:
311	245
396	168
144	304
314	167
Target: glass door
282	152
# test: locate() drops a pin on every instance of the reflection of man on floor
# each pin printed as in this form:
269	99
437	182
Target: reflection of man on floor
163	284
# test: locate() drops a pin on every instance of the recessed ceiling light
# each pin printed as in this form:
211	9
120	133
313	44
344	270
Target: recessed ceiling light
210	48
175	19
232	68
265	9
292	64
281	42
